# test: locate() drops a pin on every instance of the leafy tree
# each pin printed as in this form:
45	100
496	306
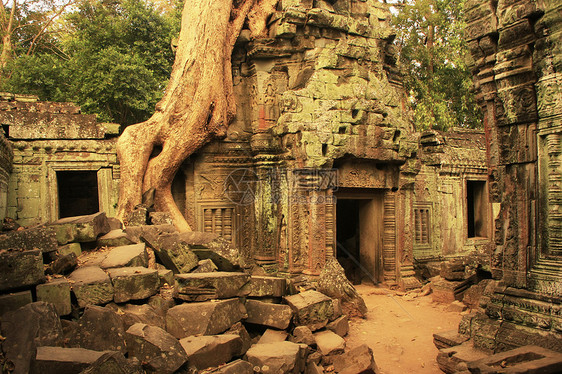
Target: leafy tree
433	56
113	58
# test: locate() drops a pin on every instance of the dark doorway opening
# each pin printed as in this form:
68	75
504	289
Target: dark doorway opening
359	234
77	193
476	203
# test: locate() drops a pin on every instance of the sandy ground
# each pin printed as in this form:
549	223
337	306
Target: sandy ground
399	330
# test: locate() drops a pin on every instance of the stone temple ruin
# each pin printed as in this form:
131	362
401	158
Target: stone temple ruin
321	164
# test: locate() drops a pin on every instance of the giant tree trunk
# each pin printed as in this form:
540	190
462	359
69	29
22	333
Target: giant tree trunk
197	106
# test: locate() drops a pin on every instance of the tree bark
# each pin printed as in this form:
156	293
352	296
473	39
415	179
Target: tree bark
198	104
7	37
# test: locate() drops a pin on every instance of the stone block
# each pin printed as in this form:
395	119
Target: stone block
329	343
14	301
114	223
212	246
81	228
62	264
340	326
208	286
260	286
212	350
155	348
234	367
137	217
34	325
151	231
273	336
20	269
91	285
166	277
267	314
114	238
527	359
57	292
357	360
451	359
127	255
453	270
56	360
38	237
206	318
311	308
303	335
205	266
160	218
456	306
143	313
133	283
448	339
283	357
113	363
100	329
239	329
172	252
70	248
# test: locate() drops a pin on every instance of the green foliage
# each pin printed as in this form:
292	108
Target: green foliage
433	57
115	60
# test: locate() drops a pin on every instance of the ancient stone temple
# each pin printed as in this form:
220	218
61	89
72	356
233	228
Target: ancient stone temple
64	162
516	46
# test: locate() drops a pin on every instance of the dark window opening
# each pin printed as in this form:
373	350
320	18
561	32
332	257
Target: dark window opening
422	226
347	236
78	193
476	203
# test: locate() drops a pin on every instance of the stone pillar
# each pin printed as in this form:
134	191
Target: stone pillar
6	157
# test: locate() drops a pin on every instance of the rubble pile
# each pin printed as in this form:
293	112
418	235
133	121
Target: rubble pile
84	295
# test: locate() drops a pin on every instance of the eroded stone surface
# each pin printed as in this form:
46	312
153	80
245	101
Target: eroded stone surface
212	350
56	360
357	360
127	255
81	228
207	286
280	357
57	292
20	269
91	285
311	308
267	314
133	283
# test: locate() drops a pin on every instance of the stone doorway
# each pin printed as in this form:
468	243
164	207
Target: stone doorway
359	235
77	193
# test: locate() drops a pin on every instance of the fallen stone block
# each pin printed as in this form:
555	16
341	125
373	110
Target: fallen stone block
206	318
144	313
91	285
166	277
273	336
113	363
151	231
205	266
267	314
234	367
260	286
174	253
448	339
100	329
527	359
81	228
329	343
160	218
127	255
340	326
283	357
311	308
451	359
14	301
239	330
137	217
20	269
70	248
57	292
456	306
155	348
38	237
357	360
114	238
34	325
453	270
62	265
303	335
133	283
338	311
445	291
212	246
212	350
313	368
114	223
208	286
57	360
163	300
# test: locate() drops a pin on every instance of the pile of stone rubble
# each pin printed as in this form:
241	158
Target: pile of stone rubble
84	295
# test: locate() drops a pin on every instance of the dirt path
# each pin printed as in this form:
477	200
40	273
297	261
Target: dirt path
399	330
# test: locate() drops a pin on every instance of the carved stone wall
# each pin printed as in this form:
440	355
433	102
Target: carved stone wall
48	138
516	46
6	157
